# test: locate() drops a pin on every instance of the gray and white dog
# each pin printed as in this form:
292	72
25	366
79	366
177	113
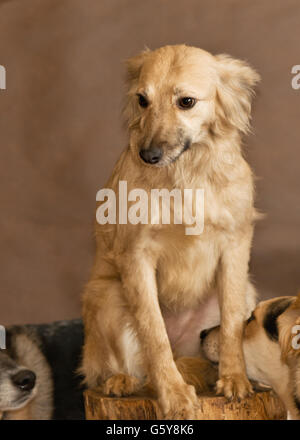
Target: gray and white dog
38	379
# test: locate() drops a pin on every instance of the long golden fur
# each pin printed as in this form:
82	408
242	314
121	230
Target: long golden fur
141	269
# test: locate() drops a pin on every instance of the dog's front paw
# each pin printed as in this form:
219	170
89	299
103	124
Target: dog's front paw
235	386
120	385
179	402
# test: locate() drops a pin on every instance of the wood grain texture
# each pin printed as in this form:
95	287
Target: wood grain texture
262	406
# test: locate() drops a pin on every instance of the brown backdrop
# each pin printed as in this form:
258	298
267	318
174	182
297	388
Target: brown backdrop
60	132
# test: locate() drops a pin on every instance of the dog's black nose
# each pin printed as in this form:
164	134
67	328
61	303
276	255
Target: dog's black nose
151	155
24	379
203	334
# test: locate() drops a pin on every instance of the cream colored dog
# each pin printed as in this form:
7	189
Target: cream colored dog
271	348
153	288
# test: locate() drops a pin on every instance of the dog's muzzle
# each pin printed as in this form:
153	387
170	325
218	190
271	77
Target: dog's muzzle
151	155
205	333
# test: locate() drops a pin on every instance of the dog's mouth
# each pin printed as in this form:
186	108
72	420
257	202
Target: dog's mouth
19	402
161	157
17	389
185	147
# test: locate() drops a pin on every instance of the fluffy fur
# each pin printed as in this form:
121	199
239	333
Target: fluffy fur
141	269
52	352
23	353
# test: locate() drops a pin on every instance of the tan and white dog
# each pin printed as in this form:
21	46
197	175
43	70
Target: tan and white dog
152	286
271	347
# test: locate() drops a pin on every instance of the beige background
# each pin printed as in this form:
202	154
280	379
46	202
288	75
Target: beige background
61	132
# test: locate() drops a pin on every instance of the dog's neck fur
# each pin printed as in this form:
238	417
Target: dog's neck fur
194	169
214	165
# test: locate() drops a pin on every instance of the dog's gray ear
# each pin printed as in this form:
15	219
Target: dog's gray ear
234	92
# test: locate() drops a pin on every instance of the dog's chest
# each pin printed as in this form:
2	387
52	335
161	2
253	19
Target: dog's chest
184	326
188	264
186	269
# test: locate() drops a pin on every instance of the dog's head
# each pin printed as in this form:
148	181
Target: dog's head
179	97
17	384
261	330
271	346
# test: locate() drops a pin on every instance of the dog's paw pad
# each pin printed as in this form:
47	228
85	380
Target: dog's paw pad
121	385
180	403
234	386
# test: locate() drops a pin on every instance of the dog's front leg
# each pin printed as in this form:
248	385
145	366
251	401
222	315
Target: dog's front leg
177	399
232	286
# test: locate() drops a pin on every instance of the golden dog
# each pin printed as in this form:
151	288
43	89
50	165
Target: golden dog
271	348
152	286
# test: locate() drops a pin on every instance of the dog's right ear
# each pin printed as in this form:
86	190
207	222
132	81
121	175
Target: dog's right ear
133	69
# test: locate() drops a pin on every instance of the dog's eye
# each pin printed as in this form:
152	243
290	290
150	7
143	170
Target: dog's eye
142	101
186	102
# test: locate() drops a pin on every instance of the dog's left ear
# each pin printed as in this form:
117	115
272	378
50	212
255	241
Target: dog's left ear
134	66
234	92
